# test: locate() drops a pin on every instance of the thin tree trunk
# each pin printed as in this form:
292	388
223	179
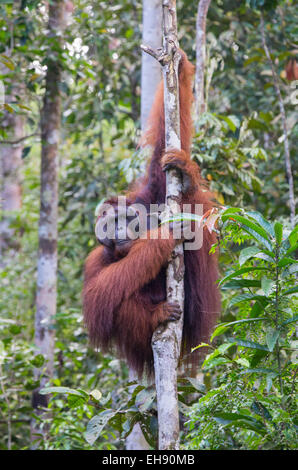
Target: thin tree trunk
166	341
11	164
284	125
151	76
200	104
47	253
151	73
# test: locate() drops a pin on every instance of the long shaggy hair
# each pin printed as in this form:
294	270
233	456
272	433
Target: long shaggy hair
122	298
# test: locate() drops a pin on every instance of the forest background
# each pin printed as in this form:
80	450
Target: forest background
244	143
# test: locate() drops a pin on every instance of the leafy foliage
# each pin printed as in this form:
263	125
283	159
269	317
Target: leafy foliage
252	403
245	395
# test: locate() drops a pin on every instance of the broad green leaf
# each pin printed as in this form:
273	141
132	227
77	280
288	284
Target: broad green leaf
242	271
197	384
266	255
258	307
268	286
286	261
247	253
267	226
291	320
75	401
258	408
243	298
232	210
293	290
250	227
241	421
220	329
292	249
292	269
67	390
248	344
7	61
242	361
214	362
240	283
271	338
97	424
232	121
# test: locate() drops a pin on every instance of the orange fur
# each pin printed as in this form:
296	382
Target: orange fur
124	300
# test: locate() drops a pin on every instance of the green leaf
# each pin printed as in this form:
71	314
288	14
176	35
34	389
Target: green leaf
268	286
38	361
232	121
247	253
7	60
75	401
220	329
242	271
290	250
242	361
97	424
293	290
239	420
265	224
278	229
244	297
258	408
197	384
214	362
250	227
292	269
232	210
271	338
201	345
286	261
241	283
266	255
66	390
248	344
291	320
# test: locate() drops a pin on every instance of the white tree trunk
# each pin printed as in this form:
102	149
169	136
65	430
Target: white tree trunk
166	340
151	73
47	253
200	56
151	76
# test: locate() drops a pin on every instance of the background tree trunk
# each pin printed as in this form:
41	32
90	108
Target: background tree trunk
151	76
11	164
11	159
151	72
47	253
200	104
166	340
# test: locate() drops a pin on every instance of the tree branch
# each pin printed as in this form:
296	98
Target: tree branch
18	141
